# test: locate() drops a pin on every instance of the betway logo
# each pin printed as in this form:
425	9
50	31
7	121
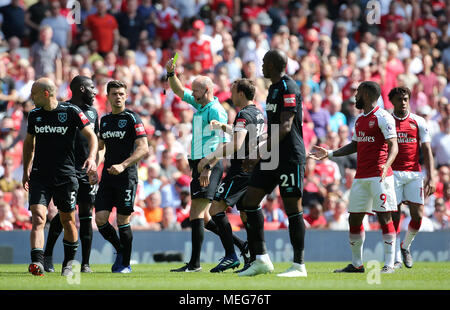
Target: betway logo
271	107
50	129
113	134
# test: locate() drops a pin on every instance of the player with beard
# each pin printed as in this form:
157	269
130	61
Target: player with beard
83	94
375	142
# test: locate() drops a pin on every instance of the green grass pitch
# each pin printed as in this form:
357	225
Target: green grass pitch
423	276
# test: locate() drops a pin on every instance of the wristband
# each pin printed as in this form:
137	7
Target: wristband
330	154
170	74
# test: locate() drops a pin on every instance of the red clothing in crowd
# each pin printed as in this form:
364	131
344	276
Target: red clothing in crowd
102	28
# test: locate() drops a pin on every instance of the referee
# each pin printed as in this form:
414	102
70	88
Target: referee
204	141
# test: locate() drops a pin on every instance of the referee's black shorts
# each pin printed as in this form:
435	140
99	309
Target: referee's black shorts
209	191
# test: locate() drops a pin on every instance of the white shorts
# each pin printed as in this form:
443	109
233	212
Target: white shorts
369	195
409	186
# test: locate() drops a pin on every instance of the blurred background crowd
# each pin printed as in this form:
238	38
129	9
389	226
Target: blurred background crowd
332	46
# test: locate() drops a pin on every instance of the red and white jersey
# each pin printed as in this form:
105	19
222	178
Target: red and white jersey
371	131
199	50
411	132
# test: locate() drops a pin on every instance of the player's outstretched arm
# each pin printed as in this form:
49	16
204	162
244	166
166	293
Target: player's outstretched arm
27	156
430	182
319	153
140	152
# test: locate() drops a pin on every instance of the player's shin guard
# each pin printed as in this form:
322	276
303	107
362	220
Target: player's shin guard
85	237
389	237
197	235
413	229
70	249
255	226
297	236
53	233
109	233
126	240
225	232
357	236
37	256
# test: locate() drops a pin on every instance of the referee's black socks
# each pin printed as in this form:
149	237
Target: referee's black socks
197	236
126	240
297	235
109	233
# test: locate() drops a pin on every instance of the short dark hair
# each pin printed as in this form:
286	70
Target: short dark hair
115	84
77	82
372	89
246	86
278	58
401	91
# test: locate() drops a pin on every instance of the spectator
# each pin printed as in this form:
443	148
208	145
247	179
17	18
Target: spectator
153	211
440	143
320	117
153	183
22	216
7	182
273	212
23	86
315	217
167	21
5	223
337	118
45	56
169	220
104	28
198	48
231	63
13	20
7	89
62	31
131	26
339	218
440	218
34	16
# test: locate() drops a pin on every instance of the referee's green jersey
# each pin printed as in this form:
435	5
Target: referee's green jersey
205	140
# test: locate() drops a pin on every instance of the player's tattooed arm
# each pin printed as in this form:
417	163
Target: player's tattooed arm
392	153
27	156
430	181
140	152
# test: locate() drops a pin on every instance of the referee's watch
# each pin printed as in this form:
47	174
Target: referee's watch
207	166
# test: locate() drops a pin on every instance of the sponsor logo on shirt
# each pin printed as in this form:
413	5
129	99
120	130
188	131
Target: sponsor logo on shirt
363	138
402	137
113	134
289	100
50	129
272	107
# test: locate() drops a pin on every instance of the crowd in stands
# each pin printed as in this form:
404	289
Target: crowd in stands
332	46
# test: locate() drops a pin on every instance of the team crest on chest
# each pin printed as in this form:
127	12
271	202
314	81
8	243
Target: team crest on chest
62	117
122	123
91	114
413	126
371	124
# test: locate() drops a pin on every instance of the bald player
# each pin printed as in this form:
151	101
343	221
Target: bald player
49	168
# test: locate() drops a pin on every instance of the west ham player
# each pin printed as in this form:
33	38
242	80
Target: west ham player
249	123
52	127
412	134
284	110
83	94
375	142
123	137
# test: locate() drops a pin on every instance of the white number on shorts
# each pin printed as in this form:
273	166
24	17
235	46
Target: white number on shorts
284	178
73	198
93	190
128	198
220	189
